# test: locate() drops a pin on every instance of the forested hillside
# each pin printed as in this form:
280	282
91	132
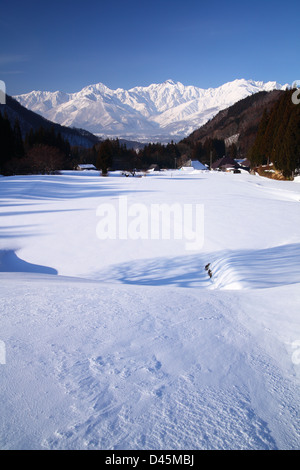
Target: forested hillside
278	137
237	125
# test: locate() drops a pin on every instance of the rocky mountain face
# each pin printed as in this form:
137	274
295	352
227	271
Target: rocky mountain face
157	113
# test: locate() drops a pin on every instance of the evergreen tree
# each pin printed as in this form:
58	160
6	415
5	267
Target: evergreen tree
232	151
257	154
198	152
290	146
29	139
19	151
105	156
6	142
214	147
278	137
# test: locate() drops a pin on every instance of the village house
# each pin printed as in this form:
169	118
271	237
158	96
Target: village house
85	166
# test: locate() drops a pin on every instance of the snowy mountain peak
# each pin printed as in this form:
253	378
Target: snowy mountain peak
170	82
158	112
95	88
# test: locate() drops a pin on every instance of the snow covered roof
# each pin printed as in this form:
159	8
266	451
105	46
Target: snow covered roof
243	161
224	162
193	165
86	166
198	165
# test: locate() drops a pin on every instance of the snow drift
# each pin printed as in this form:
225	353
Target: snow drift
130	344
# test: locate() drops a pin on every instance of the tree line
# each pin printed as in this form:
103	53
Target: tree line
45	151
172	155
42	151
278	137
11	143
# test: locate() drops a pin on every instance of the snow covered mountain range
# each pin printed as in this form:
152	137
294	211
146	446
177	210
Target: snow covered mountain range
160	112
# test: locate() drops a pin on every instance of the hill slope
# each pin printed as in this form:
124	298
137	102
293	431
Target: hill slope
238	123
31	120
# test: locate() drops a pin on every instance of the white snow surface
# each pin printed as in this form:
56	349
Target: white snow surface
130	344
159	112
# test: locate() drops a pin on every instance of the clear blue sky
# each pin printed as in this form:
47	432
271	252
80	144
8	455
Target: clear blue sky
68	44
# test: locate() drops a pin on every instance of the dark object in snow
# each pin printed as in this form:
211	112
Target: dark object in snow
208	270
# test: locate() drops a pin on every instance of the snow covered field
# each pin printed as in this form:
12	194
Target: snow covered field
130	344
